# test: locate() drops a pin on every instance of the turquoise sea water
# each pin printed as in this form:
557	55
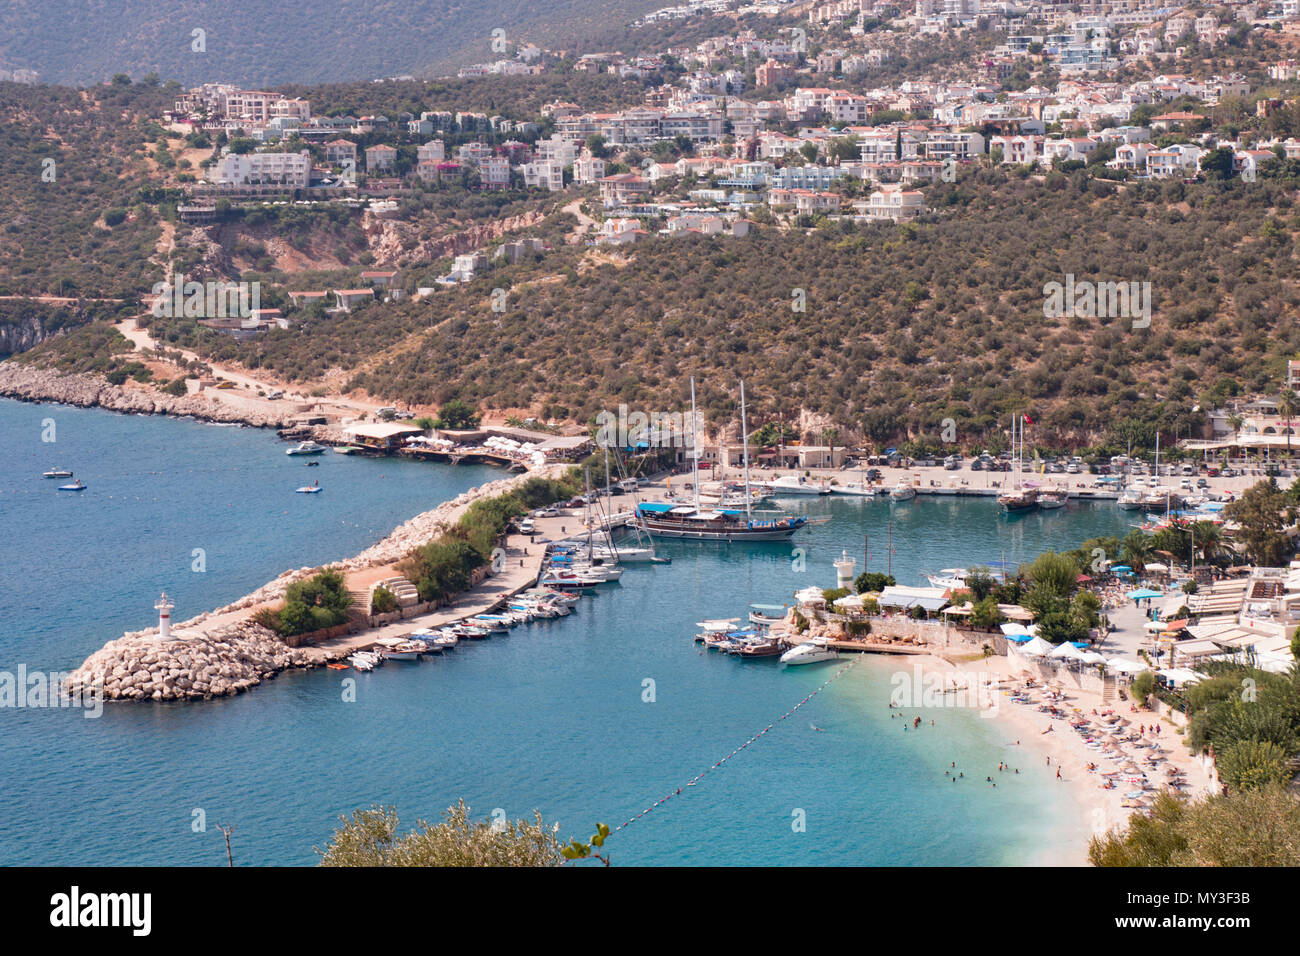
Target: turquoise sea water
552	716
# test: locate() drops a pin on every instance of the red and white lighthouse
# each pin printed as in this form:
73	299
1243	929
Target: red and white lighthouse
164	607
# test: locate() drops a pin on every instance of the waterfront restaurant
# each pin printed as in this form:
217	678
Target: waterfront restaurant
381	436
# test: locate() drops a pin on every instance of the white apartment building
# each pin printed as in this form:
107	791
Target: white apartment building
892	203
434	151
544	174
254	169
588	169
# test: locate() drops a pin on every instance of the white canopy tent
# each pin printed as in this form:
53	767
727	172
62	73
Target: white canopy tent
1066	652
1036	647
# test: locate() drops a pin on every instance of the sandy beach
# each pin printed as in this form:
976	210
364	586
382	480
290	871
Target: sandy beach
1052	747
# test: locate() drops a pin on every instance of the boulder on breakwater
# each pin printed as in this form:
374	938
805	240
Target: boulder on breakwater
138	666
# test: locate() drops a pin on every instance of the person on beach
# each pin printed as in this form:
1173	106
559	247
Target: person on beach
1058	773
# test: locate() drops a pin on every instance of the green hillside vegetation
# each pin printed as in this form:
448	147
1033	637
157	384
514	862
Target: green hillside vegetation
76	227
905	325
74	42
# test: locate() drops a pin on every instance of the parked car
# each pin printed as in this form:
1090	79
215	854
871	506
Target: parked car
1202	483
526	526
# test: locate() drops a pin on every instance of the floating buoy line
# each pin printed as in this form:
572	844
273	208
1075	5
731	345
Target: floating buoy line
700	776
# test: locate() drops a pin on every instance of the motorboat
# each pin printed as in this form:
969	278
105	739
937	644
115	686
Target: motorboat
1051	500
366	660
406	649
854	489
57	473
766	615
77	485
1130	500
712	630
313	489
758	647
796	485
903	491
812	651
307	448
471	631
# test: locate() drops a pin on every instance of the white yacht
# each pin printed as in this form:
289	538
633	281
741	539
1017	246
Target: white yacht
797	485
854	489
810	652
306	448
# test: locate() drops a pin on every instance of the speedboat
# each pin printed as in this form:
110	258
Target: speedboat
77	485
311	489
306	448
796	485
810	652
366	660
903	491
57	473
855	489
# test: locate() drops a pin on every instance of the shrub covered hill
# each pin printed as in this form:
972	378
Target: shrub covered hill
72	163
74	41
903	326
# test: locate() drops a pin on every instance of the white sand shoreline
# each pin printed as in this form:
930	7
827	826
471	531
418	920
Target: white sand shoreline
1061	749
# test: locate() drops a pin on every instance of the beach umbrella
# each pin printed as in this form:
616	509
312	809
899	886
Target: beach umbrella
1092	657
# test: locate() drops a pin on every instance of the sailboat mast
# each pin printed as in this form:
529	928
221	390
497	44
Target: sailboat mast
695	448
744	439
587	506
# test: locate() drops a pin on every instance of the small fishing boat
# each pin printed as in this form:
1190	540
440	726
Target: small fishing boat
903	491
1052	498
306	448
77	485
713	629
406	648
768	647
57	473
366	660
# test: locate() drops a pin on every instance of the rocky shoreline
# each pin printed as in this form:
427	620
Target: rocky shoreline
89	390
213	655
226	662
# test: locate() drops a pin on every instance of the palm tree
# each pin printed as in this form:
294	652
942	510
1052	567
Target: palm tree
1135	547
1287	406
1209	540
1235	421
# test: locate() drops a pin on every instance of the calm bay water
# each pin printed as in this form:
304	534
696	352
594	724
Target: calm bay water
550	716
